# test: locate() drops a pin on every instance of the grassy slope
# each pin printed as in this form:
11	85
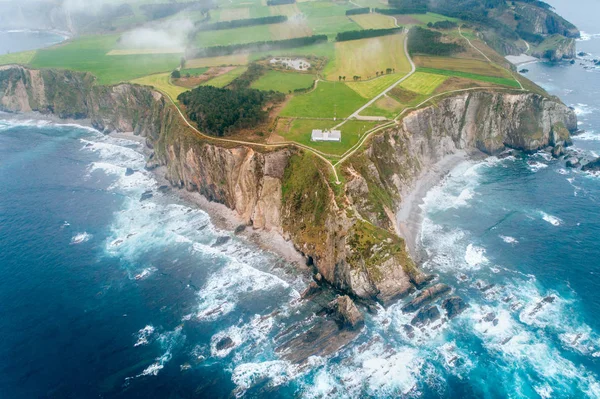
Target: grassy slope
423	83
327	99
283	81
24	57
510	82
366	56
162	82
301	129
460	64
373	21
225	79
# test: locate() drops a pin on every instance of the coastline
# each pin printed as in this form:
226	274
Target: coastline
221	216
409	215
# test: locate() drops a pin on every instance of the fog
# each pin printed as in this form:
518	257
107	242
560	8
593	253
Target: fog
171	34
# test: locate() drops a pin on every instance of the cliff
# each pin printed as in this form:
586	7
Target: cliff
346	231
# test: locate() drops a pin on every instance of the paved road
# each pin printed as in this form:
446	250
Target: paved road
383	93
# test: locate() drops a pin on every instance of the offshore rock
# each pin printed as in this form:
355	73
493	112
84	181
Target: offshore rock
426	296
426	316
593	166
454	306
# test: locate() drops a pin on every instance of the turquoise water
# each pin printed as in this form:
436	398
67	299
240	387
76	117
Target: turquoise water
104	295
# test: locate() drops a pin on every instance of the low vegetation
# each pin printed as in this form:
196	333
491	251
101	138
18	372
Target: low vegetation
161	82
225	79
284	82
219	111
425	41
423	83
255	46
365	34
357	11
491	79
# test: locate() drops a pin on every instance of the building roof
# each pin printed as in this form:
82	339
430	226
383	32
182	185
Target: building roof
326	135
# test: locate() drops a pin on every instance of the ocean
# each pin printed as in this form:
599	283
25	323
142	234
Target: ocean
107	295
12	41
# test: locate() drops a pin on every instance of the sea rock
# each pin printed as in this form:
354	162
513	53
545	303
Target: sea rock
409	330
345	311
224	343
558	150
593	166
221	240
541	304
426	316
454	306
489	317
572	163
425	297
129	172
524	70
163	189
310	291
240	229
146	195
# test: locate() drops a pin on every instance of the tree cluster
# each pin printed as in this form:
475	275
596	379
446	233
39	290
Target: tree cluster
253	72
366	33
219	111
357	11
239	23
442	25
255	46
425	41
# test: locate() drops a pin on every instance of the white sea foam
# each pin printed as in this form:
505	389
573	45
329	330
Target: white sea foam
276	372
145	273
536	166
588	36
143	335
80	238
475	256
509	240
553	220
255	331
588	135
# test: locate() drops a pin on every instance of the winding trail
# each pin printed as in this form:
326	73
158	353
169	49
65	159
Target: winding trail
323	156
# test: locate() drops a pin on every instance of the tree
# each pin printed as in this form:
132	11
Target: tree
388	71
340	78
343	77
176	74
377	73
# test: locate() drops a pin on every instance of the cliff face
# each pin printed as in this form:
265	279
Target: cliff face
347	231
489	122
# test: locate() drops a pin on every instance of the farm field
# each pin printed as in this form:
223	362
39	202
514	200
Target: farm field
230	14
374	21
331	25
225	79
162	82
460	64
223	37
289	10
88	53
283	81
327	99
423	83
289	30
386	106
300	131
194	71
370	88
234	59
491	79
365	57
432	17
325	49
23	57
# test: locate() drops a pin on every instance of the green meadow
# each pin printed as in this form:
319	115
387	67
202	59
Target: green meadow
325	101
284	82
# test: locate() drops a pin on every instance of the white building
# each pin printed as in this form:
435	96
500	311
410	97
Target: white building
327	135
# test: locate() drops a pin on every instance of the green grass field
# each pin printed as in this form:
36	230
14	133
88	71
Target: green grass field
386	106
370	88
284	81
301	129
432	17
162	82
194	71
423	83
247	34
225	79
88	53
23	57
320	50
470	65
367	56
327	99
510	82
374	21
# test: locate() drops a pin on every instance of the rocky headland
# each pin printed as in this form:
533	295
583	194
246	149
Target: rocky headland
349	234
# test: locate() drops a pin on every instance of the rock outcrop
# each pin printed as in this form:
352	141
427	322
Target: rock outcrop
348	233
454	306
426	296
593	166
346	312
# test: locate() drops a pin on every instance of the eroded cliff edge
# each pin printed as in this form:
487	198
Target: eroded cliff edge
347	231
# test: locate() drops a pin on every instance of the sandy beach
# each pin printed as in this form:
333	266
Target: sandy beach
409	216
